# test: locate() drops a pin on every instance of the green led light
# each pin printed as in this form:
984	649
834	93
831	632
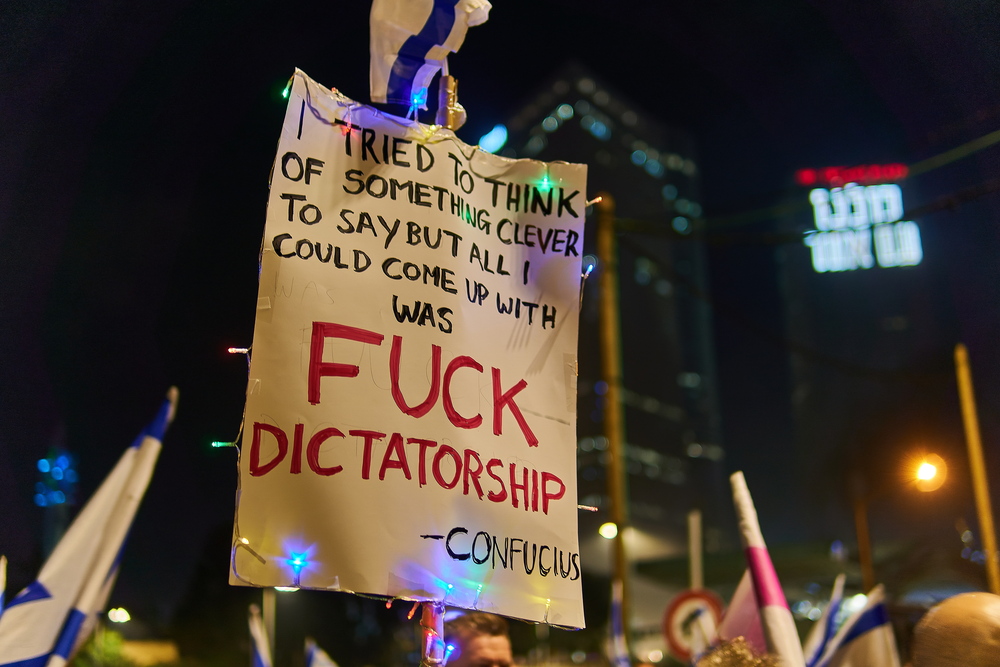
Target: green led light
220	443
287	90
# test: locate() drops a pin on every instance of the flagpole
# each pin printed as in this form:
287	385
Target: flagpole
980	486
432	621
611	371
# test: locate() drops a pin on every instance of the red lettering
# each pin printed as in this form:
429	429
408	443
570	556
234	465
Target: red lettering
318	368
449	407
256	469
366	461
312	452
546	496
534	490
395	447
501	399
441	453
493	495
397	393
514	486
424	445
473	473
296	466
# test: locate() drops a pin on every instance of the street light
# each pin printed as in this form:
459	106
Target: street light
931	473
927	471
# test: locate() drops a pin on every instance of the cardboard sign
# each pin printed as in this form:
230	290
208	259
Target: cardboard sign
410	423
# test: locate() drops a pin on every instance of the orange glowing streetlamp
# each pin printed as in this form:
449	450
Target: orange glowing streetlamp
926	471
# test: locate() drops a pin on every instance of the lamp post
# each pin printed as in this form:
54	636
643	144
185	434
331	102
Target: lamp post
926	471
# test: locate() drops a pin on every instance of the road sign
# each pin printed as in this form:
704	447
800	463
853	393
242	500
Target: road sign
682	613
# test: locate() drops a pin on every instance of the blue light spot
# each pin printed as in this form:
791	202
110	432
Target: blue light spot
43	465
298	562
638	158
681	225
654	168
550	124
40	500
57	497
57	473
494	140
62	462
600	387
70	476
669	192
564	111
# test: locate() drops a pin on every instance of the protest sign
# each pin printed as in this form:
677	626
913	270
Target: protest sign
410	426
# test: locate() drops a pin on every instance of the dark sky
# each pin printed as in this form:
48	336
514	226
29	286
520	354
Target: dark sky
137	139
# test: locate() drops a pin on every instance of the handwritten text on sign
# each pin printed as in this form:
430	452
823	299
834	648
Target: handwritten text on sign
410	423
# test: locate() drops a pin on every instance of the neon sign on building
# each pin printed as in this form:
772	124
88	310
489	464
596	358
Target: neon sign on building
860	226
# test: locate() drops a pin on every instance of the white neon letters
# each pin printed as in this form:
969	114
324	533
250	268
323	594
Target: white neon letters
851	220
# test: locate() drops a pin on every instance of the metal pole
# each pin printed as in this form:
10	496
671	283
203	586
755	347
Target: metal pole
864	543
694	550
979	483
432	621
268	613
611	371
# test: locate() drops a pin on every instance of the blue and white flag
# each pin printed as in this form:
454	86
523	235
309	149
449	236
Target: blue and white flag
410	40
866	638
618	651
826	625
317	657
47	621
260	647
3	580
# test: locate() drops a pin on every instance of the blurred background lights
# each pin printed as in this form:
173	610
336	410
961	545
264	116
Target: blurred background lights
494	140
608	531
119	615
926	471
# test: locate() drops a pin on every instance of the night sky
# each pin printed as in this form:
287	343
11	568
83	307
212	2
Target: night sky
137	139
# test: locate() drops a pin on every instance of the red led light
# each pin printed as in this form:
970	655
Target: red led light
865	174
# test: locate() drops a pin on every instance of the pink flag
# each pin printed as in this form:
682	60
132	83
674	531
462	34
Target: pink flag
779	626
742	619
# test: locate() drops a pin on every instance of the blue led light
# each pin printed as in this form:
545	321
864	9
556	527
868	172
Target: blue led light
40	500
494	140
43	465
56	472
418	99
298	562
63	462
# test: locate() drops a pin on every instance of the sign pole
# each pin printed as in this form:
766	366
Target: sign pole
979	483
611	370
694	550
432	621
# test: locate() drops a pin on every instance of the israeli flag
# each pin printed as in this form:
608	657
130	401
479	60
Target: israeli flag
3	580
317	657
866	638
410	40
618	649
826	625
47	621
260	647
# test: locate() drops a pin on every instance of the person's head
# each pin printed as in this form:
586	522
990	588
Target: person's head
480	640
961	631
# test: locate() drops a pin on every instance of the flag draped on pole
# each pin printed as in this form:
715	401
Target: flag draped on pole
742	618
826	625
260	647
47	621
866	638
618	651
410	40
317	657
3	580
779	626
